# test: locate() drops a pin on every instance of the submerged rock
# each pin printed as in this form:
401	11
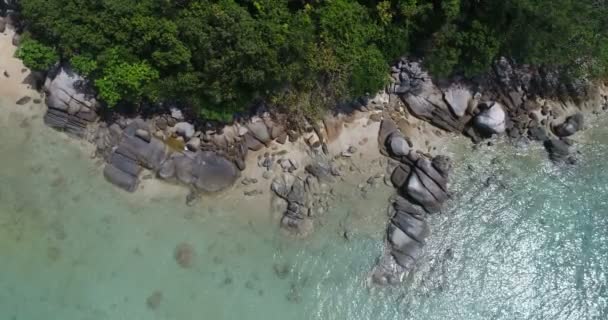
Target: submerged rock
184	255
572	125
538	134
23	100
120	178
154	300
558	149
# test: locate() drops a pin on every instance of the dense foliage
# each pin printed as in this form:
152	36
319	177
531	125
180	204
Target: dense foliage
218	56
36	55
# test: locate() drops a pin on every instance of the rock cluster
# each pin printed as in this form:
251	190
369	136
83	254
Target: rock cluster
421	185
305	194
70	100
516	100
130	149
134	151
446	110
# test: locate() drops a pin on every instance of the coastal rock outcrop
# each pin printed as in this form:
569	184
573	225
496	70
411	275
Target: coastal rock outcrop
422	189
205	170
295	219
492	119
131	154
70	100
425	100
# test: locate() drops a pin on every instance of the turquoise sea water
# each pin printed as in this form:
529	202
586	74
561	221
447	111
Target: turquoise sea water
531	245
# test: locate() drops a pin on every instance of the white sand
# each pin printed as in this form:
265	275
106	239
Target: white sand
13	88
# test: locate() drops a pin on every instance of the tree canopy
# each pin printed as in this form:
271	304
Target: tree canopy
218	56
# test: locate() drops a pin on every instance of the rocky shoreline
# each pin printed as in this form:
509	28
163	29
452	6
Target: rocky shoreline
299	164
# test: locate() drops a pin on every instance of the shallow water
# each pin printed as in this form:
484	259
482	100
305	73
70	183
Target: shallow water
532	245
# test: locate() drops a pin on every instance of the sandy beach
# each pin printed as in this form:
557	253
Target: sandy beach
359	132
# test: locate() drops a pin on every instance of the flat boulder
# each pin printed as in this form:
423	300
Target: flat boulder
149	154
120	178
213	173
400	175
458	99
125	164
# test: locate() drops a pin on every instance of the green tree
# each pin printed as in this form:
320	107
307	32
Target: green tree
124	81
36	55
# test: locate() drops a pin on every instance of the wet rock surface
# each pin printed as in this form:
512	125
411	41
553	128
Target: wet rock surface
421	185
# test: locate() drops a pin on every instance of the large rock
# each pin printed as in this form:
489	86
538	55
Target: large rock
125	164
404	206
69	92
321	169
424	166
458	99
572	124
281	185
443	165
62	120
558	149
252	143
2	24
492	120
414	228
120	178
387	128
400	175
149	154
538	133
183	168
167	171
213	173
259	130
185	129
402	242
398	145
